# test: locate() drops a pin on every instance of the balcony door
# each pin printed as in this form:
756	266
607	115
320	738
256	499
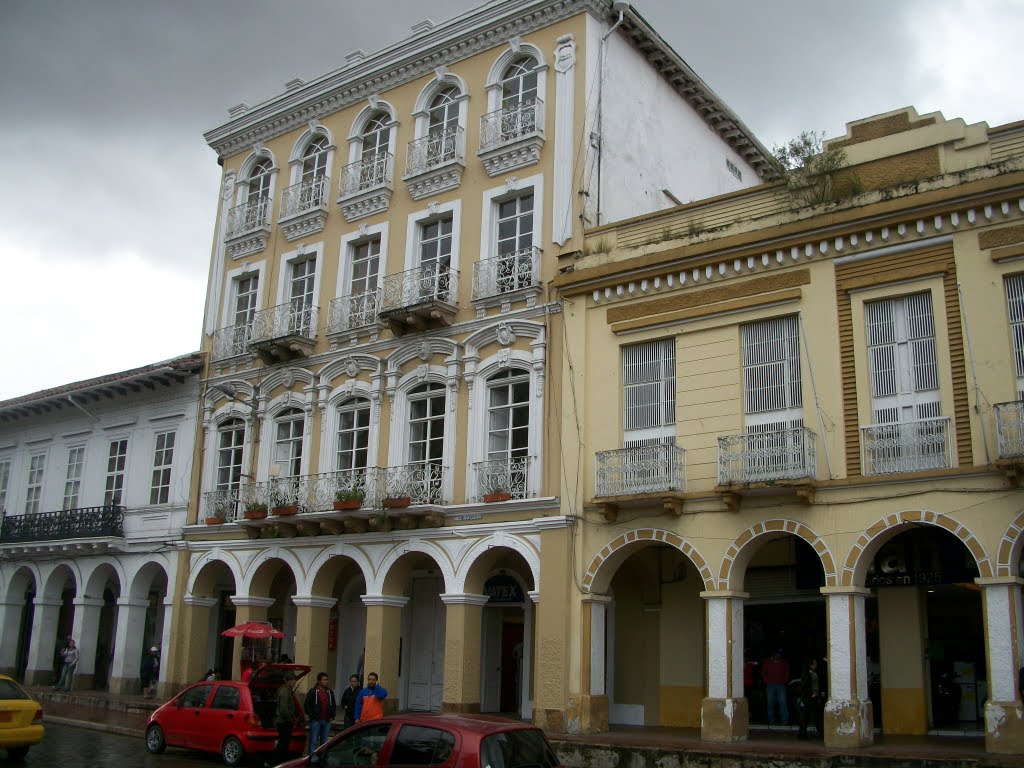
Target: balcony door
515	243
230	448
288	437
300	286
435	259
426	437
376	139
246	291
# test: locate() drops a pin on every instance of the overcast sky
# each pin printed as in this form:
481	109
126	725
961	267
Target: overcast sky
109	192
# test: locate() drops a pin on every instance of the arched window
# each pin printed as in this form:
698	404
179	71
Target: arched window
444	111
259	181
426	424
314	159
230	448
519	82
376	145
289	427
353	435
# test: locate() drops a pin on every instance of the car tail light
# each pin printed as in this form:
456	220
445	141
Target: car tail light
252	719
38	716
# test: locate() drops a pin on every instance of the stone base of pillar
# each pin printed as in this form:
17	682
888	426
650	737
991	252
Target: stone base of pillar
724	720
168	690
592	714
1004	727
391	706
40	677
84	682
126	685
460	707
550	720
849	723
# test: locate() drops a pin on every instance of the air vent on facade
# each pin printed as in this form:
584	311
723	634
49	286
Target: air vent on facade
733	169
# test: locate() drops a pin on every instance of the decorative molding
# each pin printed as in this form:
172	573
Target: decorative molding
312	601
387	601
563	202
306	223
507	157
435	180
458	598
247	245
196	601
366	203
251	601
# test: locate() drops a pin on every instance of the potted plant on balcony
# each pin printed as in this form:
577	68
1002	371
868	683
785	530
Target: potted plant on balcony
496	489
396	502
215	517
349	498
280	503
255	510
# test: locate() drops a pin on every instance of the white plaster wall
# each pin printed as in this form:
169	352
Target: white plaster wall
652	140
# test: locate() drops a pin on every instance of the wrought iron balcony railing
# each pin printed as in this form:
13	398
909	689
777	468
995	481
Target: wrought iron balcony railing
510	123
354	311
308	493
506	273
646	469
419	286
910	446
366	174
421	483
232	341
1010	429
499	476
758	457
444	146
304	196
247	217
80	523
293	319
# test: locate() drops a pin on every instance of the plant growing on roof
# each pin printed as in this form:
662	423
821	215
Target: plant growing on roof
810	168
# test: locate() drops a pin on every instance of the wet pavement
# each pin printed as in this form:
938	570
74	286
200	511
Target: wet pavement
65	745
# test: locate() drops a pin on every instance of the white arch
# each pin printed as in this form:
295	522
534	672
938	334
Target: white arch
138	587
213	556
498	539
315	130
349	367
431	89
10	580
89	574
355	554
436	553
276	552
259	152
510	54
373	107
502	332
425	349
284	377
47	585
240	386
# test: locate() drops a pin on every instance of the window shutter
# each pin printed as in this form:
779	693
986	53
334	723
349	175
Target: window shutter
649	392
1015	305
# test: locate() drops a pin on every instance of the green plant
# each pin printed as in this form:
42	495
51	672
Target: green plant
601	246
350	494
255	506
809	168
279	497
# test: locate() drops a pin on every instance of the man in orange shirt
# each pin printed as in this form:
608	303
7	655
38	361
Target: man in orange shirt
370	701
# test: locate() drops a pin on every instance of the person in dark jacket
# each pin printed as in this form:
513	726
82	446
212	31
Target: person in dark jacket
150	672
812	701
348	700
286	716
320	709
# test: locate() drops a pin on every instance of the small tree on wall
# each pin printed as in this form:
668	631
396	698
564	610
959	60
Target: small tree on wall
809	169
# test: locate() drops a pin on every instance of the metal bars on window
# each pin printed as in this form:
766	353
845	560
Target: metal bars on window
648	391
1015	308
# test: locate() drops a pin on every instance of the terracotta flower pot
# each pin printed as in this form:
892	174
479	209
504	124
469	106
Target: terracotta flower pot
285	511
497	496
397	502
348	504
214	520
255	514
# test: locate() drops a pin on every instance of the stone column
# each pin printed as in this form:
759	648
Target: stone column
10	629
44	638
312	617
196	637
594	696
128	650
1004	714
901	633
247	608
526	703
383	636
724	714
555	707
86	627
164	686
849	719
463	624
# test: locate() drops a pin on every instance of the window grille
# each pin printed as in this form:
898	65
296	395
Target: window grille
649	393
1015	307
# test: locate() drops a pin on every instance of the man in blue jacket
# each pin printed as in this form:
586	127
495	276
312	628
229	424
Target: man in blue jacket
370	701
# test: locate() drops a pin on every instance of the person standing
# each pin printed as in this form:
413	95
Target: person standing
150	672
775	674
67	671
370	701
320	708
348	701
285	718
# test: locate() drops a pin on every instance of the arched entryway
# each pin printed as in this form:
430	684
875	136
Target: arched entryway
269	599
337	591
95	626
16	627
142	623
211	610
52	624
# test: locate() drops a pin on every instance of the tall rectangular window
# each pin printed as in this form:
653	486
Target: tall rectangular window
5	483
435	257
300	294
117	457
163	457
73	481
230	451
246	290
365	265
34	493
515	243
353	434
1015	306
649	393
772	392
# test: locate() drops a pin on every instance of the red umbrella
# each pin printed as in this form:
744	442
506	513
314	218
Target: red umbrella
255	630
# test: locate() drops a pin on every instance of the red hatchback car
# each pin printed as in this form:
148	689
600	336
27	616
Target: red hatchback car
436	741
232	718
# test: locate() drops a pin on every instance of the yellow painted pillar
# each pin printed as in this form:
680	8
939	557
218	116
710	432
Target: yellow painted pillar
724	713
849	717
312	616
901	637
1004	715
463	623
247	608
195	633
383	643
594	664
553	709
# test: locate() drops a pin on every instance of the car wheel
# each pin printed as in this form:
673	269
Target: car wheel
17	753
232	752
155	742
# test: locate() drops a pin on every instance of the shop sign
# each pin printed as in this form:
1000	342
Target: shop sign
503	589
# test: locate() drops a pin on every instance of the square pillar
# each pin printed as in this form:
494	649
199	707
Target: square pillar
44	641
724	714
901	629
1004	714
849	718
196	634
247	608
555	709
85	629
594	696
163	687
312	615
128	650
383	641
10	628
463	623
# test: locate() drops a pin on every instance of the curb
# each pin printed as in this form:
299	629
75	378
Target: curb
119	730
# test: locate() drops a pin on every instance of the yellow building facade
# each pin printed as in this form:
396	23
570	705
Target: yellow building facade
798	428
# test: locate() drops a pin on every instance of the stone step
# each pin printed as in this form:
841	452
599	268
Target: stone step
95	700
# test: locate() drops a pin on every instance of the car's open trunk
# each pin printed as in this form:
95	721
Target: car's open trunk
264	685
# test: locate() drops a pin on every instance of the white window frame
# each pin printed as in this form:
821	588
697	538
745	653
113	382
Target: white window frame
1014	287
231	286
215	451
290	416
287	260
355	136
420	218
73	477
348	404
163	467
115	474
790	413
347	255
35	485
421	113
296	160
495	77
6	465
399	438
245	171
665	431
268	433
494	196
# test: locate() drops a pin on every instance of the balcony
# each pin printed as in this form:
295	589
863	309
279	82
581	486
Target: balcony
638	474
232	341
507	277
366	186
512	137
503	479
247	228
414	484
1010	432
80	523
304	208
435	163
757	460
910	446
354	314
284	332
421	298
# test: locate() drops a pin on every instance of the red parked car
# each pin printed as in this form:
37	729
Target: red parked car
436	741
232	718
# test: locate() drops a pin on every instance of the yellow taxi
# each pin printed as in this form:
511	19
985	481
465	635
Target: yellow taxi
21	719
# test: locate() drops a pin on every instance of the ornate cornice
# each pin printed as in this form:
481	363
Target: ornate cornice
460	38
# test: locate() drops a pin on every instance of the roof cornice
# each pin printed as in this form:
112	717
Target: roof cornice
404	61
